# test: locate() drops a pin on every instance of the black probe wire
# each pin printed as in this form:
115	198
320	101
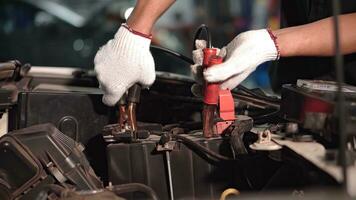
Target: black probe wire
176	54
198	34
339	68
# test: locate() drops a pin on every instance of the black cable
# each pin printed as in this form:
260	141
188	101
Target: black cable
255	94
252	99
201	148
212	154
339	69
198	33
262	119
134	187
176	54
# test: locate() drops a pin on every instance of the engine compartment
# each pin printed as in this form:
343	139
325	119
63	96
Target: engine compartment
200	168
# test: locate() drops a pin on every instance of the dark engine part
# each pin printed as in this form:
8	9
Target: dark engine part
241	125
192	175
60	154
197	175
312	104
19	169
40	155
79	116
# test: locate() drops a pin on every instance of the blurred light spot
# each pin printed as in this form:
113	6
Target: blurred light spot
9	27
43	19
87	49
78	45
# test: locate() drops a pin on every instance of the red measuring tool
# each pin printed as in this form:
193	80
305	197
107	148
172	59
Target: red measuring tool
219	107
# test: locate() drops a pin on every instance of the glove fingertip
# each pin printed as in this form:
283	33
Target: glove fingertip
200	44
222	52
148	81
217	73
211	78
111	100
147	84
229	85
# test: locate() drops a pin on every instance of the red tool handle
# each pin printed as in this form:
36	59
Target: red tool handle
211	90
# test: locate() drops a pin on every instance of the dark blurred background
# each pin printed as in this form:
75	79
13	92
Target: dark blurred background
68	33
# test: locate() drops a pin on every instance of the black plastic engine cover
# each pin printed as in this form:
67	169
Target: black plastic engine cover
193	175
39	155
77	115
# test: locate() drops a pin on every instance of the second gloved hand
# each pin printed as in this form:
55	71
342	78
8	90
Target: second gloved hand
122	62
243	55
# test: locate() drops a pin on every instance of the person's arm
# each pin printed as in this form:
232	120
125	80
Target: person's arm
146	13
317	38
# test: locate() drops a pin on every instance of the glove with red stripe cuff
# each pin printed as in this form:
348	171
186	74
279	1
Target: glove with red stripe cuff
124	61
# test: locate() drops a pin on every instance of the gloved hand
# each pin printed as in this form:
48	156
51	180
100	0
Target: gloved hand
243	55
198	56
122	62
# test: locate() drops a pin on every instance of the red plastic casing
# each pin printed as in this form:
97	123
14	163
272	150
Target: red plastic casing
226	105
226	110
211	90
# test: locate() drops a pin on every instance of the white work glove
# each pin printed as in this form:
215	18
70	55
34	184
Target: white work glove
243	55
122	62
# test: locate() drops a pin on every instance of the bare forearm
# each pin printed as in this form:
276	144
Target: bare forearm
146	13
317	39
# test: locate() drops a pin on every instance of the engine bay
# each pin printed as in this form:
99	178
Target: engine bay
166	151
